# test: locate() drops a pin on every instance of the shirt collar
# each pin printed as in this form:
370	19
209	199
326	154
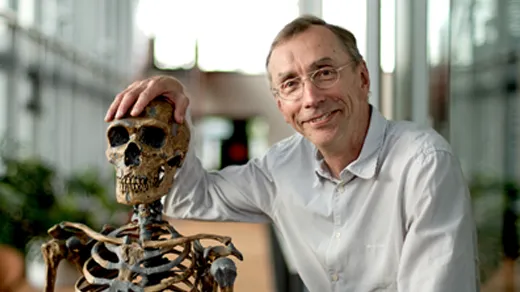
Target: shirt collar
365	166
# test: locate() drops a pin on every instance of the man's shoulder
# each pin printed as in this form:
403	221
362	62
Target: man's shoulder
285	150
415	138
295	142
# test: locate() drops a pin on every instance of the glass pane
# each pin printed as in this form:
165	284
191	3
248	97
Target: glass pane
438	41
211	27
3	104
174	37
26	12
243	47
349	14
477	82
4	42
387	33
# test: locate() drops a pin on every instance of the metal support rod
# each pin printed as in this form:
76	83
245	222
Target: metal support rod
373	9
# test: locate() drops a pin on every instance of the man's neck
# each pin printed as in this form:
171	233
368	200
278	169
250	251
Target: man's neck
350	150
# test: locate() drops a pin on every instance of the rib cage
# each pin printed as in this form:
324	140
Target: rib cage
107	263
122	261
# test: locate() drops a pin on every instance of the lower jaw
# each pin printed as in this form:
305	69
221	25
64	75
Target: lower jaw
138	197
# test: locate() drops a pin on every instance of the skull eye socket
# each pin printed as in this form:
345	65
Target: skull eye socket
152	136
118	136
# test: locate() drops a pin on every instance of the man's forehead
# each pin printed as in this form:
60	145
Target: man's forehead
310	48
308	64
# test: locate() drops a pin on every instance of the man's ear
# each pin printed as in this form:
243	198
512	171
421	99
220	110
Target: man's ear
278	103
365	76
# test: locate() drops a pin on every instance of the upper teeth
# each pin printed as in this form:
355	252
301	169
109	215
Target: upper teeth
321	118
134	183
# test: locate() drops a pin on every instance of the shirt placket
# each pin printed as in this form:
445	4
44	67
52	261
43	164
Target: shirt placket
334	247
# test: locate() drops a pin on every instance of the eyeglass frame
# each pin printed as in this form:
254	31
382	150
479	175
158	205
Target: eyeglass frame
310	76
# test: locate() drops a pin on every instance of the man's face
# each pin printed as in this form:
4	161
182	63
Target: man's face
324	116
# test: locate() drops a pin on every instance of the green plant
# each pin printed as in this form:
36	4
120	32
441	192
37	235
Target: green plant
33	197
495	205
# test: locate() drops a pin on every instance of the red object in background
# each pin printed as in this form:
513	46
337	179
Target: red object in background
237	152
234	150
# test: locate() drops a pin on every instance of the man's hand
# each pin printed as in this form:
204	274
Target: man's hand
137	96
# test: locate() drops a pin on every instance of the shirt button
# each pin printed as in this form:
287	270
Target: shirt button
338	235
341	188
334	277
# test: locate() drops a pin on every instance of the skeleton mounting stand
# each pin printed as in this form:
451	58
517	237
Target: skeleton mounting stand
146	216
147	254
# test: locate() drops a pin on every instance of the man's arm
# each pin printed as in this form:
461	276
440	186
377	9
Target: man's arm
242	193
440	247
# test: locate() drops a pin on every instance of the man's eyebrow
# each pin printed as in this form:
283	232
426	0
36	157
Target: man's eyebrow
286	75
319	63
313	66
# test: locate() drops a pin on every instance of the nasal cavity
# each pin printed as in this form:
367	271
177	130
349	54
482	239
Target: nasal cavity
132	154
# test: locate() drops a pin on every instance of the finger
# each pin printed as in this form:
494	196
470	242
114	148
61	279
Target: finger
181	105
152	90
115	104
113	108
117	101
128	101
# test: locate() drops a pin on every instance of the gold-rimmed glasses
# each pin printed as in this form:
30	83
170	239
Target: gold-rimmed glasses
323	78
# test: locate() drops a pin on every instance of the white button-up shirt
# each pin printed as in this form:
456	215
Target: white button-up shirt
398	219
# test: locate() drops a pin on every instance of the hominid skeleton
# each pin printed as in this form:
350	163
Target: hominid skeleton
147	254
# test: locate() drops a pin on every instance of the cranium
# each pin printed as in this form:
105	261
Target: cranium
146	152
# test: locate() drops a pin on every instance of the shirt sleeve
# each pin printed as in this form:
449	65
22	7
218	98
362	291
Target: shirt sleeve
440	248
242	193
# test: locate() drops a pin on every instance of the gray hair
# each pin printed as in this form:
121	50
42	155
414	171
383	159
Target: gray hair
304	22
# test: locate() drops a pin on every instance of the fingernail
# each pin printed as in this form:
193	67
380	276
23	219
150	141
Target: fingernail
119	114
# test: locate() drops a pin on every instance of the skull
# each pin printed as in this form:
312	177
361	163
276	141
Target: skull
146	151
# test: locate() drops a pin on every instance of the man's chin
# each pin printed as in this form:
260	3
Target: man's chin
321	138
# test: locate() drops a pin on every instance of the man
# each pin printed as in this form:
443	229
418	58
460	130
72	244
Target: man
364	204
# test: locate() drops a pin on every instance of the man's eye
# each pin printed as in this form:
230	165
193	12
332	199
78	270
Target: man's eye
325	74
288	84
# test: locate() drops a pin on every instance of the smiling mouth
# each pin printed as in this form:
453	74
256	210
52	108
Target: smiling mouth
321	118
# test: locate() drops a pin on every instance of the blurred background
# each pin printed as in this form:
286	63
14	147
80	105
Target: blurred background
449	64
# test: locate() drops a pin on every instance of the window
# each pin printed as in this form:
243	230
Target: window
26	13
351	15
230	35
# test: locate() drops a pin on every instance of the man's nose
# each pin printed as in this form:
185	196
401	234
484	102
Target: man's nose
311	95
